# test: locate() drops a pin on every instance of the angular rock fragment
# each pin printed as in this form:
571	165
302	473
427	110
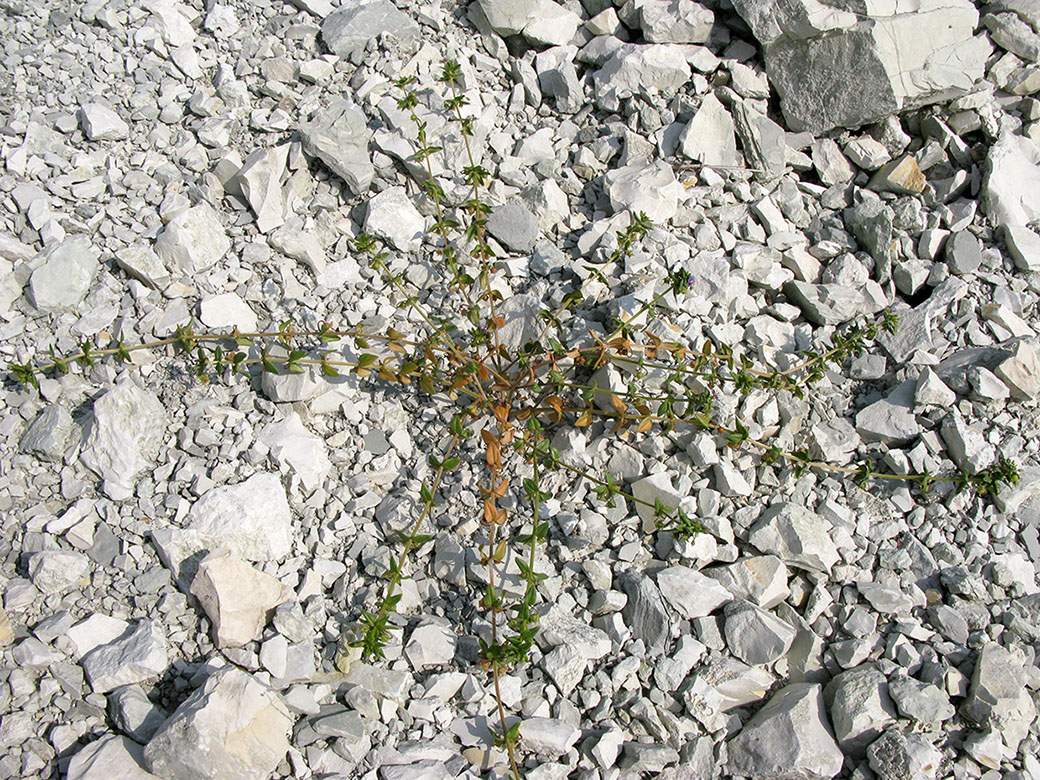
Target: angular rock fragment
890	420
236	597
796	535
110	756
134	714
514	226
787	738
251	519
764	142
919	701
292	445
123	436
645	613
1011	194
56	571
101	123
431	644
548	736
835	68
1021	371
63	274
232	728
650	188
998	697
135	657
896	756
901	176
691	593
761	579
391	215
1024	246
860	708
825	304
142	263
338	135
755	636
633	68
48	434
710	136
193	241
674	21
260	181
348	30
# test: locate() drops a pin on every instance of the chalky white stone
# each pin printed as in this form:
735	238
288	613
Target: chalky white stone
127	426
232	728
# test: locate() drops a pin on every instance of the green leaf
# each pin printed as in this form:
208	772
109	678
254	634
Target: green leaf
452	463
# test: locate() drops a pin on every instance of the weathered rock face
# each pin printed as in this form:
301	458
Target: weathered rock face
841	65
231	728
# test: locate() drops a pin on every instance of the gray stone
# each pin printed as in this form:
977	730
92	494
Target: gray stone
338	135
950	623
123	436
997	697
431	644
1011	194
830	164
260	181
646	757
897	756
963	253
755	636
870	221
134	714
548	736
1021	371
796	535
691	593
142	263
710	137
890	420
62	275
860	708
645	187
966	443
884	599
514	226
31	652
56	571
348	30
232	728
674	21
635	68
1024	246
761	579
139	655
48	434
558	78
834	68
1012	32
930	390
645	613
921	702
522	323
764	142
788	739
193	241
101	123
111	756
825	304
560	628
565	667
542	22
